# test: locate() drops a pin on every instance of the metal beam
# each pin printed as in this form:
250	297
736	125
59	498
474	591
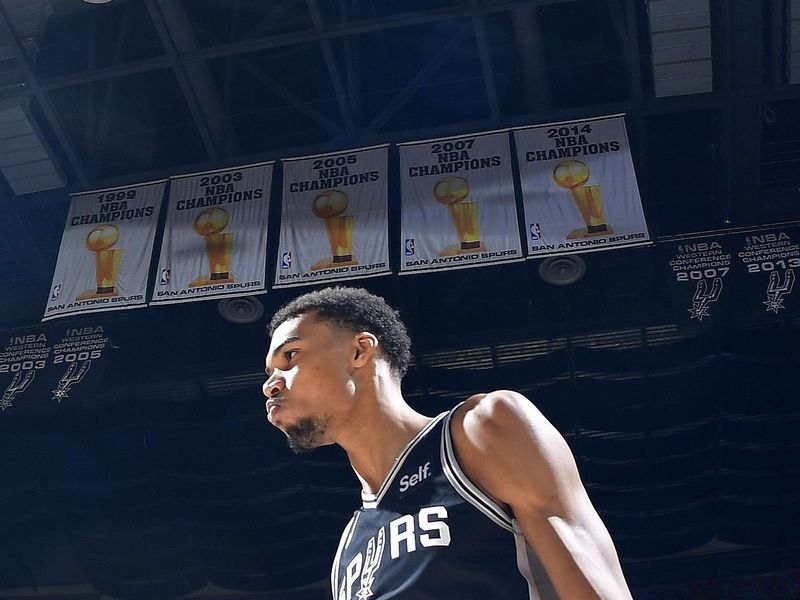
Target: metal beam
25	245
716	100
737	59
203	85
274	12
623	15
650	107
422	75
180	71
289	39
91	105
528	39
131	68
486	63
745	52
100	129
333	69
32	79
227	84
352	60
778	36
293	100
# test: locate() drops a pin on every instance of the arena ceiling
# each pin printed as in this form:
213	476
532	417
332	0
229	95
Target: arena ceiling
170	483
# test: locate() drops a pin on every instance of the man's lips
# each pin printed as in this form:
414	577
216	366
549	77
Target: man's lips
273	404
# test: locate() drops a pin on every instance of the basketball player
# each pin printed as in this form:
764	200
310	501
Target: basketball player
482	502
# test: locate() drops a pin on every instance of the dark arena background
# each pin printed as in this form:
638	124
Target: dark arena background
155	476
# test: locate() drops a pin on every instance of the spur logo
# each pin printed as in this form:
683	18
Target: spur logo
406	533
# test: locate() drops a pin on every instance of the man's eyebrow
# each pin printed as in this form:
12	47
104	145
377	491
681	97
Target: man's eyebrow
277	350
288	340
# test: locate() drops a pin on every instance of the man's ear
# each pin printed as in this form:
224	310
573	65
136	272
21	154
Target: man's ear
366	345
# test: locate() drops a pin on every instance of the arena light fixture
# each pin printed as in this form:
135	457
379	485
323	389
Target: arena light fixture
26	159
794	41
680	41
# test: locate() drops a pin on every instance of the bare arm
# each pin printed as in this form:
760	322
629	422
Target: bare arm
508	448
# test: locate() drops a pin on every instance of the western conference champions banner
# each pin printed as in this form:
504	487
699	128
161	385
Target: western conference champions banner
46	368
744	275
458	204
770	265
335	221
215	238
703	276
579	188
105	251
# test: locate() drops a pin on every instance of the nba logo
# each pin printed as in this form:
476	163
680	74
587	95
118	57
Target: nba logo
536	232
409	247
165	276
286	260
56	292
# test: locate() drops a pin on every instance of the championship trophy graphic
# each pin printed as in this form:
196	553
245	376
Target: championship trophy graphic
219	246
572	175
106	261
453	192
329	207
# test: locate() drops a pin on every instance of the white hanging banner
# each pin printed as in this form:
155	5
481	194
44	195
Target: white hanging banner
579	188
458	207
215	238
334	224
105	252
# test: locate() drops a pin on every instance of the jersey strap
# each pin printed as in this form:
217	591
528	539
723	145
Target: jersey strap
465	488
372	500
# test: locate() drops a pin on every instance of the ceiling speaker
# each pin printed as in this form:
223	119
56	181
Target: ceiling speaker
243	310
562	270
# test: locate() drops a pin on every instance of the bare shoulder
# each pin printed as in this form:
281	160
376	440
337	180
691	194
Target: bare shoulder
500	417
497	407
510	450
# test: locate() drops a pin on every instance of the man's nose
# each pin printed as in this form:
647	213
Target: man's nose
274	385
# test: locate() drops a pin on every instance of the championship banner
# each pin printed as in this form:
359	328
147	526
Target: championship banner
45	368
215	237
105	251
579	188
458	204
770	265
703	278
742	275
334	223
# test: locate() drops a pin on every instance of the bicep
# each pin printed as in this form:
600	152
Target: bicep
519	458
576	550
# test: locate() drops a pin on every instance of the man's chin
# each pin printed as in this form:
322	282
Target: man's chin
297	447
305	435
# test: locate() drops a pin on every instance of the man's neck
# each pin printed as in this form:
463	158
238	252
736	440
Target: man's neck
384	427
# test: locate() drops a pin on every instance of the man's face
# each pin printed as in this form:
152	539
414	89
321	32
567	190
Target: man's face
309	380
